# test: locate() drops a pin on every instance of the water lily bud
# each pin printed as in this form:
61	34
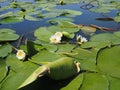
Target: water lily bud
65	33
61	2
20	54
63	68
81	39
59	34
14	4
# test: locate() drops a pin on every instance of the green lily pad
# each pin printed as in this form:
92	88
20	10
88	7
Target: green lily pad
65	48
75	83
11	19
31	18
5	50
19	71
108	61
95	44
117	18
94	81
59	19
43	34
86	58
45	56
102	40
46	45
8	35
100	9
3	70
114	83
117	34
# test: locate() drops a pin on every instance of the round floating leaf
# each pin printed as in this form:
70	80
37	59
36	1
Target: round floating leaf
45	56
117	34
105	37
31	18
75	83
84	54
19	71
5	50
117	19
6	30
65	47
40	45
3	69
11	19
43	34
73	12
114	83
66	24
7	35
95	44
100	9
108	61
59	19
95	81
86	59
109	38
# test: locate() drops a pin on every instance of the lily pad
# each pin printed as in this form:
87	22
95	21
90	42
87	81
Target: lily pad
95	81
114	83
45	56
102	40
3	70
11	19
117	18
65	48
75	83
5	50
8	35
108	61
19	71
43	34
31	18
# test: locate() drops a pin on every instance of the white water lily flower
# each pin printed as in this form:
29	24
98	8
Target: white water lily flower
55	39
81	39
20	54
59	34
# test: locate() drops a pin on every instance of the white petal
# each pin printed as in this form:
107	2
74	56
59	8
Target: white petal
59	34
55	39
20	54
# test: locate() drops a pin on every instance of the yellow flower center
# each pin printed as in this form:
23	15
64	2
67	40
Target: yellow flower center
20	53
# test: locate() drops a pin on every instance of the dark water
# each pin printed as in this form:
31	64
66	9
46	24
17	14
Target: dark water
27	27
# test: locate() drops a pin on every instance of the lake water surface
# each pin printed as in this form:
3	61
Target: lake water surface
27	27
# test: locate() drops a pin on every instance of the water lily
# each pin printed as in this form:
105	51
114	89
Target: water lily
81	39
55	39
59	34
20	54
